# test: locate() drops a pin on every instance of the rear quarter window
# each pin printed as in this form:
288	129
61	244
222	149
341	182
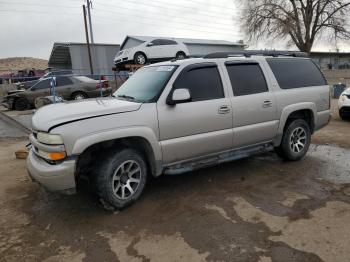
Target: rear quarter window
296	72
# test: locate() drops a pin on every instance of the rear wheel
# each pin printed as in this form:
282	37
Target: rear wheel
295	141
121	178
21	104
79	96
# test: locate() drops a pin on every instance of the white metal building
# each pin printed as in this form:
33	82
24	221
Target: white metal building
74	56
196	47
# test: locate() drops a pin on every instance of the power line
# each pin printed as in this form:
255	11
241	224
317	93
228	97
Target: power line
182	6
36	12
207	14
211	5
159	13
37	4
168	26
167	20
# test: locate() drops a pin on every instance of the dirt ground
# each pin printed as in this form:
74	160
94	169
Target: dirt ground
259	209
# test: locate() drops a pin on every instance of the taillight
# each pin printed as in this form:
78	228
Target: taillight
104	84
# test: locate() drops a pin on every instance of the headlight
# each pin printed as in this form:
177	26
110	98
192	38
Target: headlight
49	139
344	97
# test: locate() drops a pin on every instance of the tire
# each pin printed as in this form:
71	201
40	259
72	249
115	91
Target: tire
343	116
21	104
180	55
79	96
140	58
295	141
113	187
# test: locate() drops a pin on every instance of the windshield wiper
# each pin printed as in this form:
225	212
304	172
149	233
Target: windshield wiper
127	97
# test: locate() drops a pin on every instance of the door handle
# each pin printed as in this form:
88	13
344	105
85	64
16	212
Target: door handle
224	109
267	104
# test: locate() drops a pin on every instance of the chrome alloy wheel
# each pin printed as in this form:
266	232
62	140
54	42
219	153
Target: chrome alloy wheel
79	97
298	140
126	179
141	59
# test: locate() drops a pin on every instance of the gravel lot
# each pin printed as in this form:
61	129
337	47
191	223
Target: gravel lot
256	209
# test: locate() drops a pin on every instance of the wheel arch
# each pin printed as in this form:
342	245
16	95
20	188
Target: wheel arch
94	145
306	111
77	92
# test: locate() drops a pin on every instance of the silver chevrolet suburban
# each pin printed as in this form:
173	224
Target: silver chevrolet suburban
177	116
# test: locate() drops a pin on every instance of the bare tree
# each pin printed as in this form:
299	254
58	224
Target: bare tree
302	21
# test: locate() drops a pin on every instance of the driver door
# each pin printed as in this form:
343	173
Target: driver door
41	89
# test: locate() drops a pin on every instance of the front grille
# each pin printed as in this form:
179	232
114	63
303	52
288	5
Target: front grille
348	95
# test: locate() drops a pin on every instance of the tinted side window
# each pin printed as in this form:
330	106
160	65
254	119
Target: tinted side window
247	79
157	42
42	84
63	81
296	72
203	83
169	42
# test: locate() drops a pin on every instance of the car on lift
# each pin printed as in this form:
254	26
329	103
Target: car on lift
67	87
156	50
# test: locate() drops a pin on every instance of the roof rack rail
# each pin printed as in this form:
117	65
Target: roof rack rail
249	53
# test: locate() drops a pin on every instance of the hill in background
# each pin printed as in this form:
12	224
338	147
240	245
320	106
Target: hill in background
19	63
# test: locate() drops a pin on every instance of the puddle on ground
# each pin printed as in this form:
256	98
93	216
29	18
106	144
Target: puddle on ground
335	163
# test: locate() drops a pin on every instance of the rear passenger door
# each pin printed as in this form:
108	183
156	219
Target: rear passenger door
254	106
201	126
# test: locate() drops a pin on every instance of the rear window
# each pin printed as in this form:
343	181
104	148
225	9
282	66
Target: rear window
246	79
296	72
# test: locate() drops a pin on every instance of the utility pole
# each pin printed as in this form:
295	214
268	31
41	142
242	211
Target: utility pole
89	4
87	40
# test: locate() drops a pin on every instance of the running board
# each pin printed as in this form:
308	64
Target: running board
217	159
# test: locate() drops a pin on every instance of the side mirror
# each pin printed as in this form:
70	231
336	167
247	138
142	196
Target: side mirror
149	44
179	96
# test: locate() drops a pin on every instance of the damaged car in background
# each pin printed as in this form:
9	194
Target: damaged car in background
67	87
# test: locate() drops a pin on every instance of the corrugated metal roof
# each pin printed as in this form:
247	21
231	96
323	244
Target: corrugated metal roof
60	53
184	40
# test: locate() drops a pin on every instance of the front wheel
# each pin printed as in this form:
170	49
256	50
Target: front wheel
140	59
21	104
180	55
295	141
120	178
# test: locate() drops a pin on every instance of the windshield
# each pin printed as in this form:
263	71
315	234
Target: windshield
146	84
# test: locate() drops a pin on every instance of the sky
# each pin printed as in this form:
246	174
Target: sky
30	27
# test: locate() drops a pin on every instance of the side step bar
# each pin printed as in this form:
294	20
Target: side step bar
217	159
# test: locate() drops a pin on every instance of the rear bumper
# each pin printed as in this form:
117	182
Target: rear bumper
122	60
58	177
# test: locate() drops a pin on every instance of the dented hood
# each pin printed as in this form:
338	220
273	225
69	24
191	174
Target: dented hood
50	116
